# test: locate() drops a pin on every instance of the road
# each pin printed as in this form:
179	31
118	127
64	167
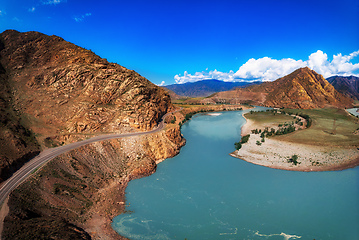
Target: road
48	154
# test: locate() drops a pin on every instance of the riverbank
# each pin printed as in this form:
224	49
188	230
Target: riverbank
276	154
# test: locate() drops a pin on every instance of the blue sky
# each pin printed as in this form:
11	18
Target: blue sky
169	41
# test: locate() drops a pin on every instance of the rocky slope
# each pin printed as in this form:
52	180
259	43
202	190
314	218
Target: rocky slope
303	88
76	195
55	92
17	142
348	86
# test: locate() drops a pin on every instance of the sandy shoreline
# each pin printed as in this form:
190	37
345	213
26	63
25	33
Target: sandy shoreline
275	154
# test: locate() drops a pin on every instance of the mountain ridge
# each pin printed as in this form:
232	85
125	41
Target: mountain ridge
205	88
303	88
348	86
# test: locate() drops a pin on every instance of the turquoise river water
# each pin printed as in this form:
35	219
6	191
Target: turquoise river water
203	193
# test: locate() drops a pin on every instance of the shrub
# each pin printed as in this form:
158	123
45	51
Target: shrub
238	145
294	159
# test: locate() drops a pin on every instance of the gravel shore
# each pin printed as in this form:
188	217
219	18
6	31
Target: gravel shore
275	154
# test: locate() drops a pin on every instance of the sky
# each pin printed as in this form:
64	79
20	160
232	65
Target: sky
184	41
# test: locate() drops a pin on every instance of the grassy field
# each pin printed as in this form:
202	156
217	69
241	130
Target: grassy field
330	127
268	119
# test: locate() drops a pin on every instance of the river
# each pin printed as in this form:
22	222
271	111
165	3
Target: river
353	111
203	193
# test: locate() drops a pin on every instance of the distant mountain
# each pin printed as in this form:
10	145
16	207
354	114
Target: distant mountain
348	86
303	88
205	88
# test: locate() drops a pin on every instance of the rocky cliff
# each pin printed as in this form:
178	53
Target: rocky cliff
54	92
76	195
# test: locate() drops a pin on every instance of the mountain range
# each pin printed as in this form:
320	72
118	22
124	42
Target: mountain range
205	88
348	86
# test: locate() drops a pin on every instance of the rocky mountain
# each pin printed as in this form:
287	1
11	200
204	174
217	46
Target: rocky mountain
53	92
205	88
348	86
304	88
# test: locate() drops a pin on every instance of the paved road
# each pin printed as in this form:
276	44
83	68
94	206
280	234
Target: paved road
45	156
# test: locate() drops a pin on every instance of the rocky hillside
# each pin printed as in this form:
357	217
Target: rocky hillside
17	142
53	91
348	86
303	88
77	194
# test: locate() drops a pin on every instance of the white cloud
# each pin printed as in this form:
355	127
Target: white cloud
52	2
227	77
82	17
2	13
161	84
32	9
268	69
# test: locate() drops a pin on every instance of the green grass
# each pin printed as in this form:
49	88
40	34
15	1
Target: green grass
269	118
330	127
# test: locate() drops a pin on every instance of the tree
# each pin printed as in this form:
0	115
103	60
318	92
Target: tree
238	145
245	138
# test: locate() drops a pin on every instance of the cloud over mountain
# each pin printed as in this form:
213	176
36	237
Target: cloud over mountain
227	77
269	69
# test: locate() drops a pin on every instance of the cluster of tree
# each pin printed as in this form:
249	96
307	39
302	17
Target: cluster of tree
283	129
233	109
305	116
244	139
286	129
188	116
307	119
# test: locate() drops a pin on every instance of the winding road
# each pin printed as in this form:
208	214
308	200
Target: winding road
48	154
